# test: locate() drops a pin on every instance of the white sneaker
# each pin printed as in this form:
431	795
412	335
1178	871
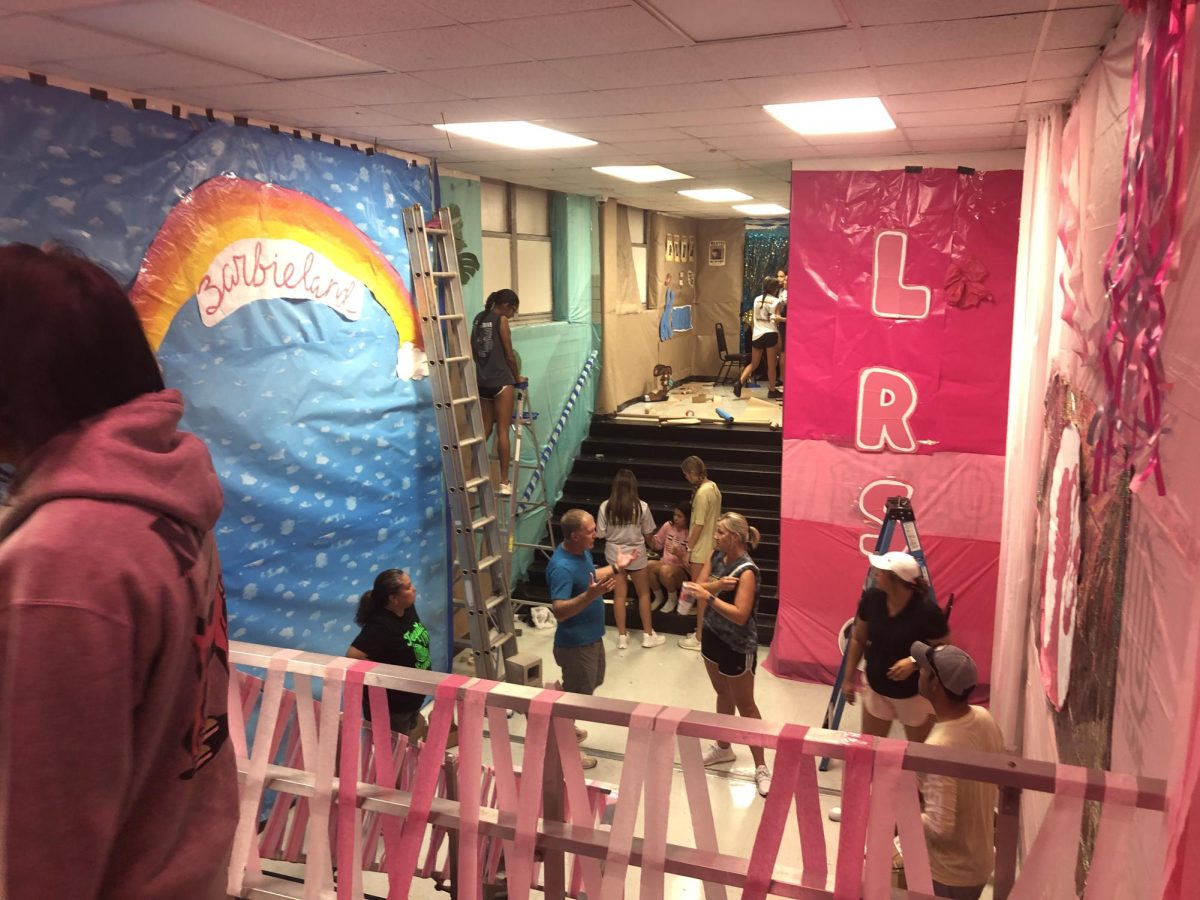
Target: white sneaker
835	814
653	640
762	777
505	489
580	734
622	642
588	762
716	754
686	606
656	601
672	602
689	642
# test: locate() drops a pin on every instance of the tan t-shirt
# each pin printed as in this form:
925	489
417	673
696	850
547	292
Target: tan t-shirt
706	509
959	814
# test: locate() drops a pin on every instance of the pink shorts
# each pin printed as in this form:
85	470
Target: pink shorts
911	711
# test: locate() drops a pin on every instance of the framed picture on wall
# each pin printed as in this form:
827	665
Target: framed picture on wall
667	252
716	253
675	249
691	257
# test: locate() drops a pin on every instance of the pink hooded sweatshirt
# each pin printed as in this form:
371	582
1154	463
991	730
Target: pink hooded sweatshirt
117	778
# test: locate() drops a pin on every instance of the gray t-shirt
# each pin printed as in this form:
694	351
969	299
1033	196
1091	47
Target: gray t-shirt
742	638
491	368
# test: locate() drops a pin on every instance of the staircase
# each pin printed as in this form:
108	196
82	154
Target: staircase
745	462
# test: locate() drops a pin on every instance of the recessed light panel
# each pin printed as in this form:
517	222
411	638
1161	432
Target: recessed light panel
518	135
762	209
717	195
853	116
641	174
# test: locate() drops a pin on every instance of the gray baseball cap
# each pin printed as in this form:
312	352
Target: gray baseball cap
950	665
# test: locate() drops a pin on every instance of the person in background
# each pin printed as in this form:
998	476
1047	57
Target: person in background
496	370
625	524
727	591
891	615
117	776
959	815
781	323
764	340
706	510
575	591
670	571
392	634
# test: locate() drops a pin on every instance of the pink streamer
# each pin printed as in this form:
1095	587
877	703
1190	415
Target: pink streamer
470	787
520	862
856	800
1107	878
658	803
385	772
579	807
1048	871
633	773
790	761
349	870
319	869
700	807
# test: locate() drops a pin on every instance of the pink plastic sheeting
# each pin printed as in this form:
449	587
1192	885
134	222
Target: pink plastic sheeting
957	358
822	578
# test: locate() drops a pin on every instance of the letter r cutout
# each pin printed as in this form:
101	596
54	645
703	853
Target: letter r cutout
891	298
886	399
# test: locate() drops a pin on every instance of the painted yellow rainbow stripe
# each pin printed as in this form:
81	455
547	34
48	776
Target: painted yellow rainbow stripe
227	209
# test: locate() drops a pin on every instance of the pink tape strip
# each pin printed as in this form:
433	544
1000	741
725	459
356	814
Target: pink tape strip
789	757
889	758
1049	868
633	773
429	766
318	878
700	807
470	787
1108	878
579	808
349	817
856	799
912	835
529	799
506	781
385	770
237	719
658	802
810	821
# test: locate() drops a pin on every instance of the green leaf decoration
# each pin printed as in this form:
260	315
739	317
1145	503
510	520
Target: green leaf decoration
468	263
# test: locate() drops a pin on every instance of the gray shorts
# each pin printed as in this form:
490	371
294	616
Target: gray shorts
582	667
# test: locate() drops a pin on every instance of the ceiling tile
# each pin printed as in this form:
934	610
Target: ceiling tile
44	6
958	116
1087	27
766	125
506	80
553	106
629	136
672	65
714	20
420	49
656	147
583	33
410	132
951	144
878	148
784	55
321	19
824	140
577	125
955	74
960	39
435	111
935	132
999	95
25	40
1052	89
811	86
359	117
373	90
155	73
490	10
773	141
709	116
1075	62
276	95
893	12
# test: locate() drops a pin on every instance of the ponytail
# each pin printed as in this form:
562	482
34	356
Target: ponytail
386	584
494	299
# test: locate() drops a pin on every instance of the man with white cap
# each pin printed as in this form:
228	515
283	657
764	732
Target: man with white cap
959	815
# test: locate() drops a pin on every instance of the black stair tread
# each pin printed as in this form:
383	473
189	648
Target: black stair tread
625	461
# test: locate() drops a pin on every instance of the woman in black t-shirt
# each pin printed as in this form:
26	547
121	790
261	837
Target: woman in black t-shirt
891	615
392	633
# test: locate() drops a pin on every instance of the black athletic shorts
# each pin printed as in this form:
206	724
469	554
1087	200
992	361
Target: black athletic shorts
770	339
728	661
490	393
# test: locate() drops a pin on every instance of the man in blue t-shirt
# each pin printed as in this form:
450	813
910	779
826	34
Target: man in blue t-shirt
576	587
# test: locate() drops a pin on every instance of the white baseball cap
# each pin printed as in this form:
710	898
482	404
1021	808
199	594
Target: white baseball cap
898	563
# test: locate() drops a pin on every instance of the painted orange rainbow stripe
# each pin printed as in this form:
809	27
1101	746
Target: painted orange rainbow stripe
226	209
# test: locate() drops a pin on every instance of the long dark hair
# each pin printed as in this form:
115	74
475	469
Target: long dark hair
771	288
502	297
388	583
624	505
71	344
685	507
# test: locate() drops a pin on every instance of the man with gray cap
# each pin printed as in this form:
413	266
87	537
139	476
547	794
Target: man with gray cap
959	815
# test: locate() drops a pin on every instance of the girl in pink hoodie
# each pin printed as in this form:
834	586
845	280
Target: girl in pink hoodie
669	572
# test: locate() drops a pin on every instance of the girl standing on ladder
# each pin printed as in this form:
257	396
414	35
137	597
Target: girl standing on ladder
496	370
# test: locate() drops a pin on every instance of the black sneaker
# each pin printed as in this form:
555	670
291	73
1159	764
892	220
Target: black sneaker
737	389
774	394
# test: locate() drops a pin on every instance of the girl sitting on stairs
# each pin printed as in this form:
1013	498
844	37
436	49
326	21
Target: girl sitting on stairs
671	571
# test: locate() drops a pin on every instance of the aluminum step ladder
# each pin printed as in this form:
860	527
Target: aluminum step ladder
898	511
481	559
517	506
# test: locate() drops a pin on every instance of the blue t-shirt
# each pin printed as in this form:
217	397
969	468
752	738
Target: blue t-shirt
569	575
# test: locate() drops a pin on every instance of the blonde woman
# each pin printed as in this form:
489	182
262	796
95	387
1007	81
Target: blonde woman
727	593
625	523
706	509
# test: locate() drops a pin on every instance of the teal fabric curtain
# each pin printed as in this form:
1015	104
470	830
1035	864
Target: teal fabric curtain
766	254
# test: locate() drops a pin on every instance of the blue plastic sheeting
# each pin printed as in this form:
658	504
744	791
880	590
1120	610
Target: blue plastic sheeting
330	462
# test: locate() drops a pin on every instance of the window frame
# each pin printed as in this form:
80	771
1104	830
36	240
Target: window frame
514	238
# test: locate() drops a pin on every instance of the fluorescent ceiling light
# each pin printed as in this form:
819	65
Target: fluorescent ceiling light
641	174
717	195
518	135
762	209
853	116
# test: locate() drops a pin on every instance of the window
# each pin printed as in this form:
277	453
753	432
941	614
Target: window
637	237
516	245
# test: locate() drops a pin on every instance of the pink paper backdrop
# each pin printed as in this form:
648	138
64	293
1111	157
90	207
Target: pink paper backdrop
956	357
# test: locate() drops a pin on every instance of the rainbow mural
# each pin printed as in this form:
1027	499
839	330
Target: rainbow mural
228	211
